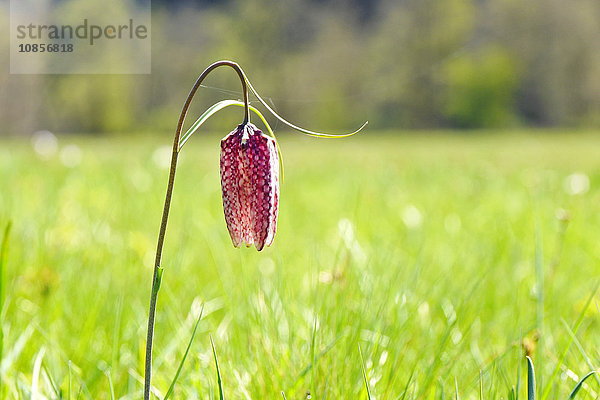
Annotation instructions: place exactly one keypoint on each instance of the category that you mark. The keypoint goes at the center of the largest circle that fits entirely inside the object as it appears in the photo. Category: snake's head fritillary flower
(250, 186)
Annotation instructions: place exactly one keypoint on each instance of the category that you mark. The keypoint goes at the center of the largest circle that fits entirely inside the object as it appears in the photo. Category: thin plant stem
(157, 274)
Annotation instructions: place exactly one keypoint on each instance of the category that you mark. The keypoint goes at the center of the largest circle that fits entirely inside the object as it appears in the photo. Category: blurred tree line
(332, 64)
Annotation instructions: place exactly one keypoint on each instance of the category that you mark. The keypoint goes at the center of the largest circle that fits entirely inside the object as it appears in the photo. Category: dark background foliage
(334, 63)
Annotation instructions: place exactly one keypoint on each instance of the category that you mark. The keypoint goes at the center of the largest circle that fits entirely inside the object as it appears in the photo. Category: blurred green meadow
(446, 257)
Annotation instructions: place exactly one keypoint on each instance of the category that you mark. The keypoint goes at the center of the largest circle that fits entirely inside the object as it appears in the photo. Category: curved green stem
(157, 274)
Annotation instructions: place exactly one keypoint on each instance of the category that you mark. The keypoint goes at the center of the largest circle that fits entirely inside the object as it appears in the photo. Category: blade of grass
(440, 390)
(436, 363)
(408, 382)
(511, 394)
(219, 380)
(110, 384)
(3, 256)
(313, 352)
(17, 348)
(364, 372)
(480, 385)
(70, 388)
(35, 374)
(585, 356)
(568, 346)
(322, 353)
(539, 274)
(187, 350)
(50, 381)
(116, 341)
(580, 385)
(456, 396)
(518, 388)
(530, 380)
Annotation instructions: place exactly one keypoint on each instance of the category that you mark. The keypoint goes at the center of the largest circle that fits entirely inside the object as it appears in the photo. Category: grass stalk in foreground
(3, 256)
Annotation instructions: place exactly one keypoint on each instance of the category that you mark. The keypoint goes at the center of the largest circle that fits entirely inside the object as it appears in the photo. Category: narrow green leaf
(322, 353)
(187, 350)
(582, 351)
(561, 360)
(511, 394)
(518, 388)
(580, 384)
(69, 383)
(364, 372)
(480, 385)
(441, 391)
(110, 384)
(313, 358)
(219, 380)
(35, 374)
(213, 110)
(159, 273)
(456, 396)
(539, 274)
(51, 381)
(3, 256)
(409, 381)
(530, 380)
(299, 129)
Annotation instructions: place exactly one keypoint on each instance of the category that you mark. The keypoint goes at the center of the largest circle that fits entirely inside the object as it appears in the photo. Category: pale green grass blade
(364, 373)
(530, 380)
(187, 350)
(110, 384)
(51, 382)
(511, 394)
(17, 349)
(322, 353)
(70, 388)
(456, 396)
(568, 346)
(580, 385)
(116, 339)
(518, 388)
(35, 374)
(539, 274)
(409, 381)
(313, 359)
(432, 370)
(579, 346)
(219, 380)
(440, 391)
(3, 257)
(480, 385)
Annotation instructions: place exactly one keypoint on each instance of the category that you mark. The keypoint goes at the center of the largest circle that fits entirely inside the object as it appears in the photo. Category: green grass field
(444, 257)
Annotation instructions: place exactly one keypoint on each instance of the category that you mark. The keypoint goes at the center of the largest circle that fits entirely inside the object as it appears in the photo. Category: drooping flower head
(250, 186)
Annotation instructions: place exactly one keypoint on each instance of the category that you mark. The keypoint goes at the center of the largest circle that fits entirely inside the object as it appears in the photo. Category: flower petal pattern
(250, 186)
